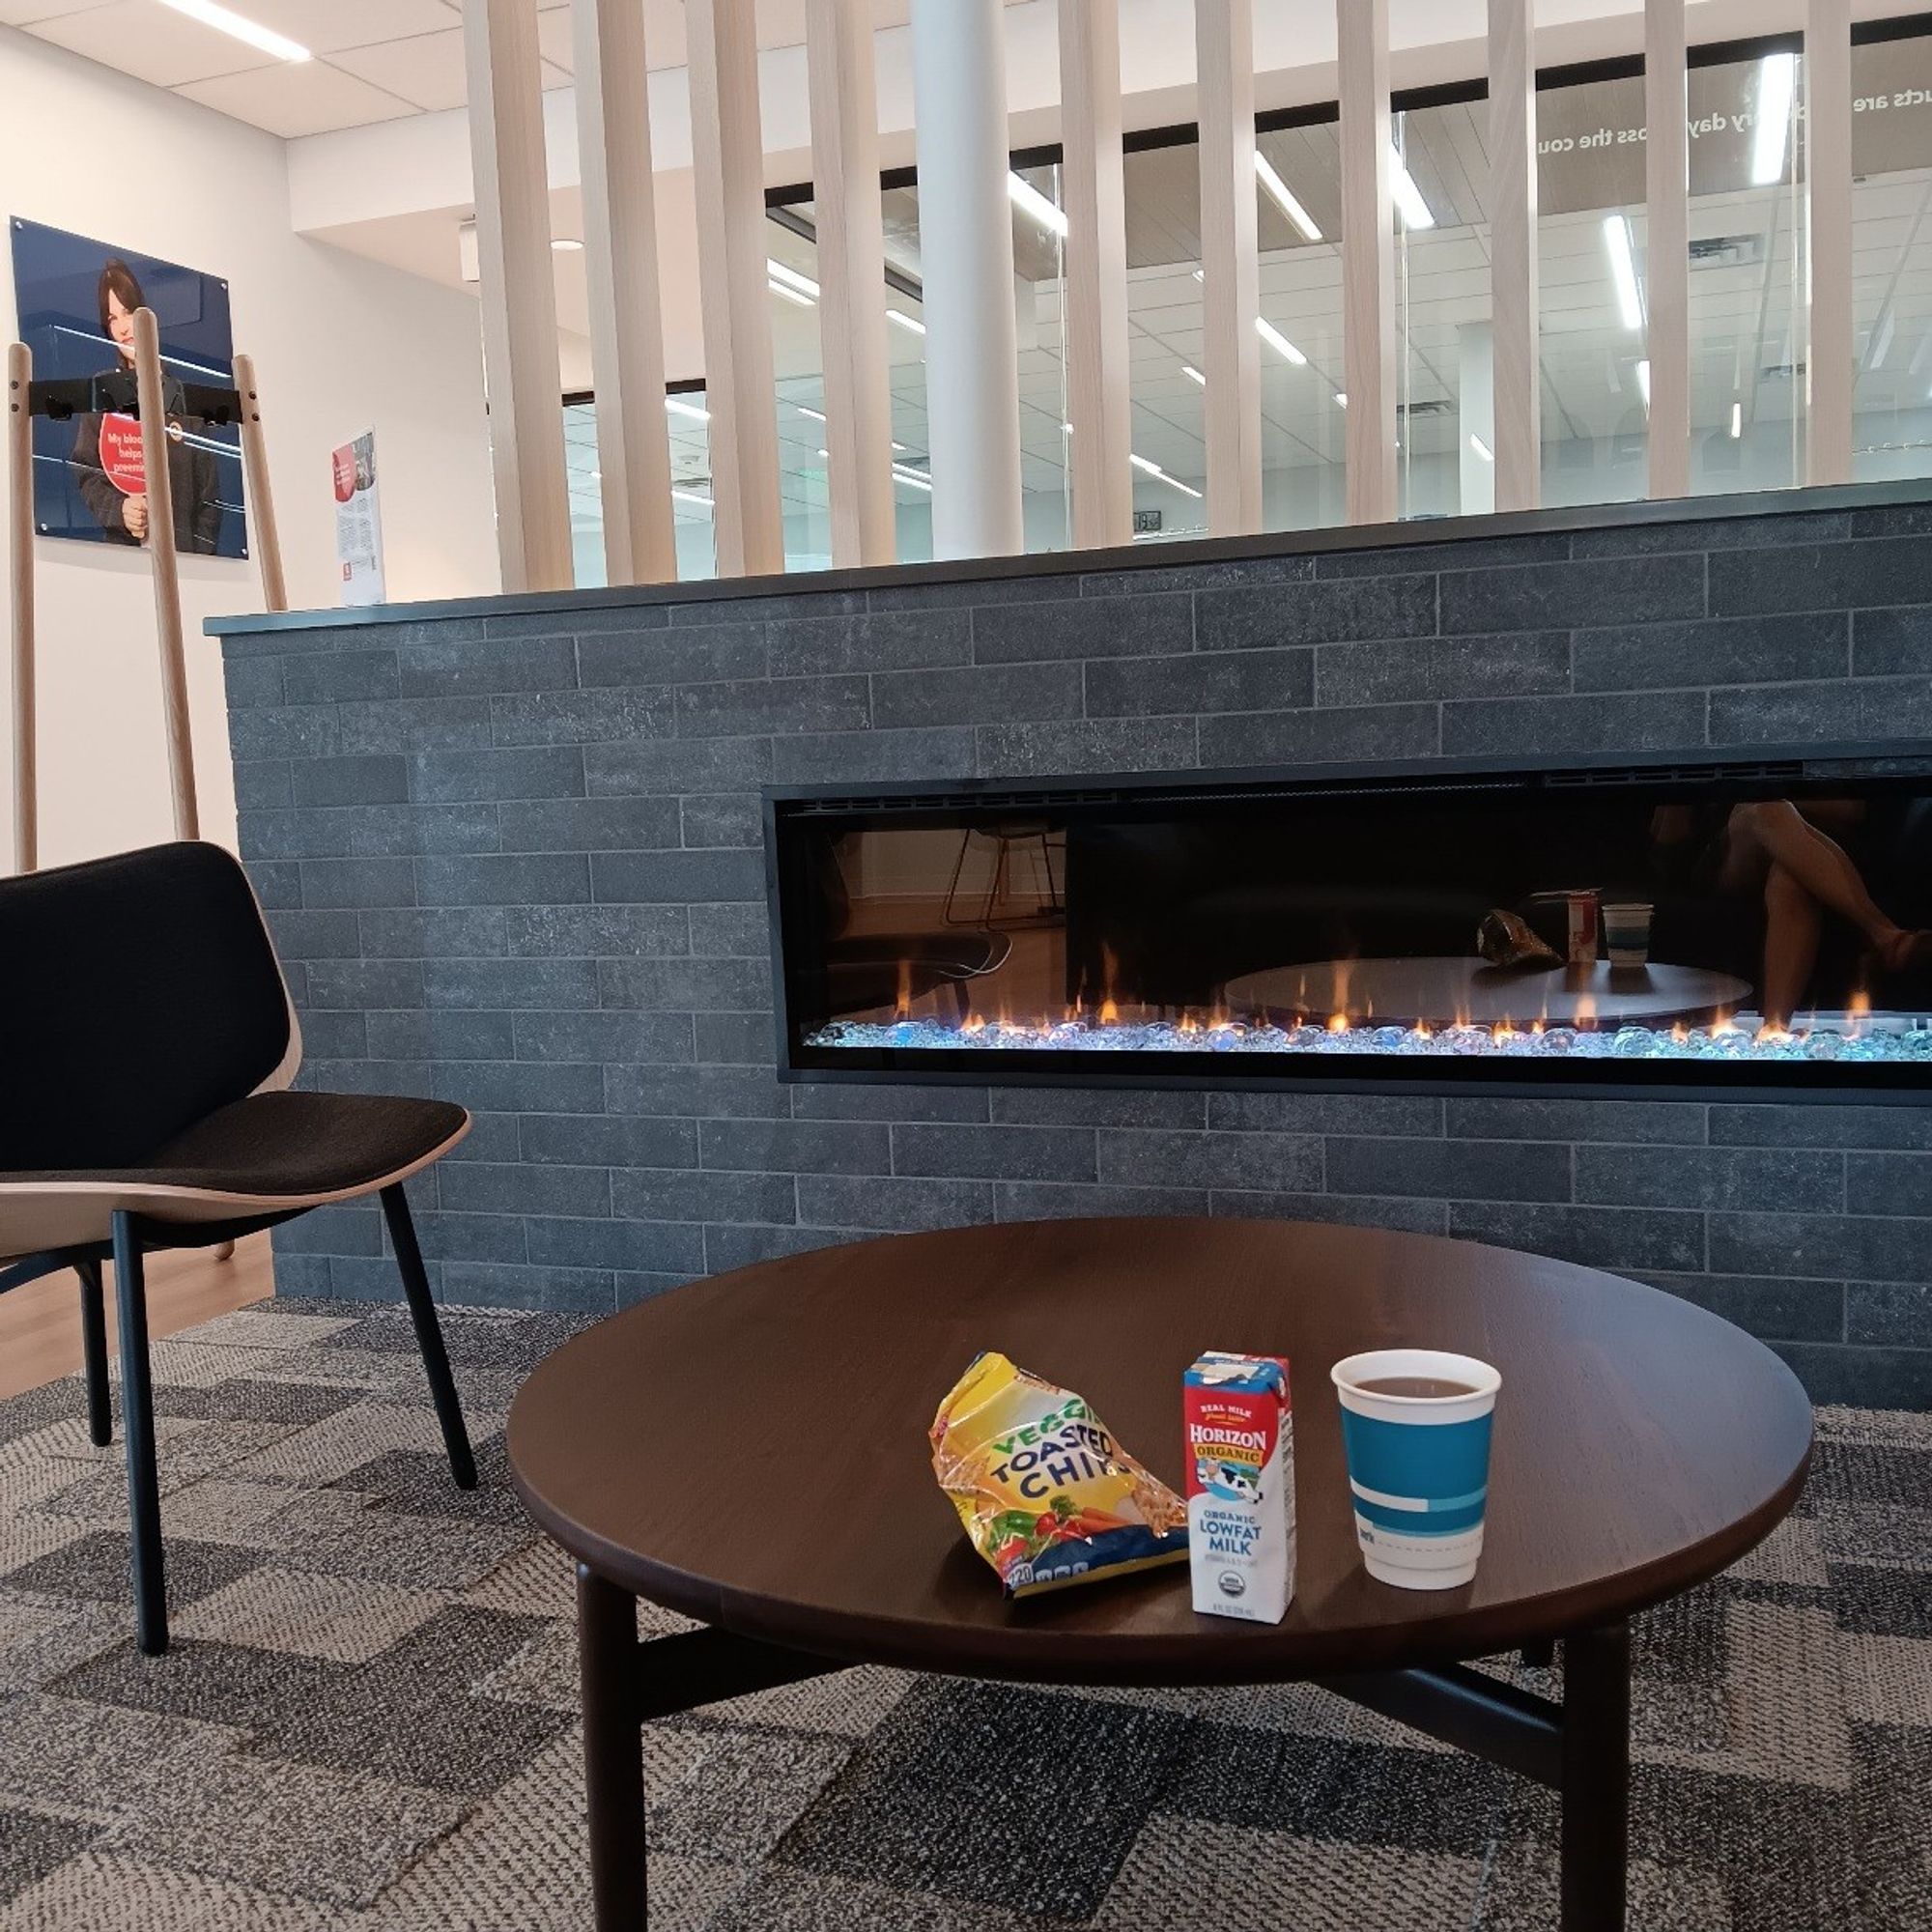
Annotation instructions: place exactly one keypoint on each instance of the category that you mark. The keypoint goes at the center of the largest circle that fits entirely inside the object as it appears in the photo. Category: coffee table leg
(613, 1755)
(1596, 1779)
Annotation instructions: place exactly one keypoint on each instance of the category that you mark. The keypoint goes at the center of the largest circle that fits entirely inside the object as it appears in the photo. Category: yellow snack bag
(1045, 1494)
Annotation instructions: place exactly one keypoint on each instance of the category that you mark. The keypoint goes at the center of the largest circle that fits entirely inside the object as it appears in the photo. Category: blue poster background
(56, 284)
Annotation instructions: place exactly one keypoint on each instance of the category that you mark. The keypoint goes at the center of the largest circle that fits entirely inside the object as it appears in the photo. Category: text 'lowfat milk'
(1240, 1486)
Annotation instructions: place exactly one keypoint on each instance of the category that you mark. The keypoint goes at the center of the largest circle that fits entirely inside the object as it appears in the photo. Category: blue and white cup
(1418, 1464)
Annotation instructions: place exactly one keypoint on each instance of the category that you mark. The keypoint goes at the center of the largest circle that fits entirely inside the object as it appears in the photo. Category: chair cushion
(291, 1146)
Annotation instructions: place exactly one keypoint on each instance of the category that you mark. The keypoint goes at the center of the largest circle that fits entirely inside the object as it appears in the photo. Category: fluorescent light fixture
(817, 415)
(1341, 399)
(1193, 374)
(692, 496)
(791, 278)
(1283, 198)
(1623, 269)
(910, 323)
(790, 294)
(1643, 381)
(1031, 203)
(900, 449)
(1154, 470)
(566, 245)
(912, 476)
(678, 407)
(1737, 421)
(1200, 274)
(1277, 341)
(1481, 447)
(224, 21)
(1415, 213)
(1771, 124)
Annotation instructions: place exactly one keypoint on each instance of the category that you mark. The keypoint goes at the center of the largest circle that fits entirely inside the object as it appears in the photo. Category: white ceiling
(374, 60)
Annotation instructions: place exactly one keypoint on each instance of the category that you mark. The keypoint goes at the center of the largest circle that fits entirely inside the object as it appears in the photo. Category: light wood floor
(40, 1324)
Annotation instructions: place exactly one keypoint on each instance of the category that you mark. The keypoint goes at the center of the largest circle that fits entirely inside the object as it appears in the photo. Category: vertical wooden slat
(1828, 190)
(1368, 259)
(727, 165)
(1224, 55)
(620, 260)
(1512, 258)
(21, 581)
(150, 393)
(520, 348)
(858, 426)
(1667, 254)
(1098, 398)
(264, 530)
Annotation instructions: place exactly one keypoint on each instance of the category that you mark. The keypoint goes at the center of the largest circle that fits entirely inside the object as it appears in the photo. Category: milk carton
(1240, 1486)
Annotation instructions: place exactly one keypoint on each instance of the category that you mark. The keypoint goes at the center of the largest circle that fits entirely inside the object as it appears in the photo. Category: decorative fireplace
(1688, 925)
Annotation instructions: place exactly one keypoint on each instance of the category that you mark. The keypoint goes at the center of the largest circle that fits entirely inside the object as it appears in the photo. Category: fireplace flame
(1337, 1022)
(973, 1023)
(1110, 1014)
(904, 1011)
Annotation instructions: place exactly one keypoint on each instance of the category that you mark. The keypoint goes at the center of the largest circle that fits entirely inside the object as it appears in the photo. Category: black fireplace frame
(1855, 1083)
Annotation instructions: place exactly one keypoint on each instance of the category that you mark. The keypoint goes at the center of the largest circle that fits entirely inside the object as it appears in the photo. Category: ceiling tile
(311, 98)
(24, 13)
(327, 26)
(425, 70)
(152, 43)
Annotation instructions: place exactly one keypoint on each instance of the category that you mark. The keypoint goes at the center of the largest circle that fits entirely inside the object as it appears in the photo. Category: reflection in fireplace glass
(1767, 917)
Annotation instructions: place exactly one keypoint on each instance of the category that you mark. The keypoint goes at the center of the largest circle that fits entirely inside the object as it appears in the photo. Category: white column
(966, 264)
(1827, 198)
(1476, 415)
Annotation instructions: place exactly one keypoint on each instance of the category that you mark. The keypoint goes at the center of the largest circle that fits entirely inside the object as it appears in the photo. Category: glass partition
(1747, 279)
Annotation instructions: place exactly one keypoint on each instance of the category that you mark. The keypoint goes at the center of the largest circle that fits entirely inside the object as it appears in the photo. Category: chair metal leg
(137, 1421)
(613, 1753)
(94, 1347)
(428, 1335)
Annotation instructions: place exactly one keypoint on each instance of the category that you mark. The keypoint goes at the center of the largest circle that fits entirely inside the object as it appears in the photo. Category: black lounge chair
(147, 1044)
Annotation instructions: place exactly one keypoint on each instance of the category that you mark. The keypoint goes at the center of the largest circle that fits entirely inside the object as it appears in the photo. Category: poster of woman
(76, 301)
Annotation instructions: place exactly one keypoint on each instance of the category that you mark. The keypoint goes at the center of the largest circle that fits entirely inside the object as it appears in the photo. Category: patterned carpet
(368, 1720)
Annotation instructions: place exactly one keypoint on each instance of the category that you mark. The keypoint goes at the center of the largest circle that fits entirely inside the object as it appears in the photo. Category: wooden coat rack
(62, 401)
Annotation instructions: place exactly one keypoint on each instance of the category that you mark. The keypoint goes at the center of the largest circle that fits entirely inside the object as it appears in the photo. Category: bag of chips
(1045, 1494)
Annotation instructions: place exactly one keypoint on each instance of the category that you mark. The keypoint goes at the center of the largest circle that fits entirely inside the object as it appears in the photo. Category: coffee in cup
(1415, 1429)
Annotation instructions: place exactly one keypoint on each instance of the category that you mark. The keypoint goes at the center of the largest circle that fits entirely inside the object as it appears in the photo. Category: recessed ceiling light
(1770, 125)
(1277, 341)
(913, 477)
(566, 245)
(1737, 421)
(224, 21)
(678, 407)
(1031, 203)
(1188, 370)
(1643, 381)
(1341, 399)
(790, 294)
(1284, 200)
(1623, 269)
(1415, 213)
(1481, 447)
(910, 323)
(1152, 468)
(817, 415)
(791, 278)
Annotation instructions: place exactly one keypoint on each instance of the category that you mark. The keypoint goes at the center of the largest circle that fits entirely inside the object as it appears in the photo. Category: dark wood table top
(752, 1450)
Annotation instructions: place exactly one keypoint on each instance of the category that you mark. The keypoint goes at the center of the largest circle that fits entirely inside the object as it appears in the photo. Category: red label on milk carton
(1240, 1486)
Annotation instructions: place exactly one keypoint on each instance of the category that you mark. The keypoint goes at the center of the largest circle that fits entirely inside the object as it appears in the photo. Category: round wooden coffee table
(752, 1451)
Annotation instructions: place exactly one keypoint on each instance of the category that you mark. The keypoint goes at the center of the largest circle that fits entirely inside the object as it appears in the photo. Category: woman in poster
(109, 480)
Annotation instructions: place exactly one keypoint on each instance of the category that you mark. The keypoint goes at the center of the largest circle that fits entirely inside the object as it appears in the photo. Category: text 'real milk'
(1240, 1486)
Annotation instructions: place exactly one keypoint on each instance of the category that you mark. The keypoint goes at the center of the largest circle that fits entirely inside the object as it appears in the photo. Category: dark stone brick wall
(514, 860)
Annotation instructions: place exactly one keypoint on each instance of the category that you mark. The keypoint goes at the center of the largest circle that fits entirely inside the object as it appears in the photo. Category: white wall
(339, 342)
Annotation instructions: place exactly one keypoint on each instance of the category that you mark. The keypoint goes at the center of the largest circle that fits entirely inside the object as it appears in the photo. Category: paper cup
(1418, 1465)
